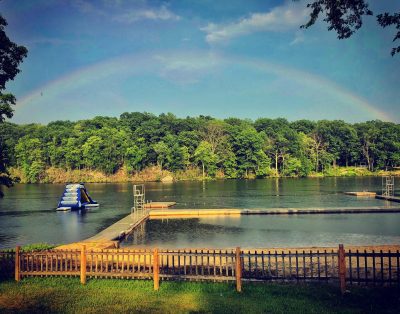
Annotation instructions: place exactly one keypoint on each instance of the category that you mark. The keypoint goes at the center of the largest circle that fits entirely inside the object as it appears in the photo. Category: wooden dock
(388, 198)
(118, 230)
(159, 204)
(109, 237)
(361, 194)
(174, 213)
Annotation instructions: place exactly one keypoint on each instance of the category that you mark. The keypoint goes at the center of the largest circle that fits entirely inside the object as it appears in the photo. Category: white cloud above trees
(282, 18)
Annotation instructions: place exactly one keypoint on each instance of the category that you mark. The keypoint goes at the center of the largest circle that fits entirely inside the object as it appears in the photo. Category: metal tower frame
(388, 186)
(139, 197)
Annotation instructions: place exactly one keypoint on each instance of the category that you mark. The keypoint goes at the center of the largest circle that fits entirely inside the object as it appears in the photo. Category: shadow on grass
(67, 295)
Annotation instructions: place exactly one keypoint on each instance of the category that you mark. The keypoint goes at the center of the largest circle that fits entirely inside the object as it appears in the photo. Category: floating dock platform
(388, 198)
(159, 204)
(173, 213)
(361, 194)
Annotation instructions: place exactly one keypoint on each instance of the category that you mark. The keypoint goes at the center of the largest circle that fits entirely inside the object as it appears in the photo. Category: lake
(27, 214)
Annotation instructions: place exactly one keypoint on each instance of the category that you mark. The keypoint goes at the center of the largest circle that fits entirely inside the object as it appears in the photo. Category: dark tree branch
(345, 17)
(386, 19)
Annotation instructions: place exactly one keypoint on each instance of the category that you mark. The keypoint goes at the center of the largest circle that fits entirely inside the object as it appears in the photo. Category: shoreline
(154, 174)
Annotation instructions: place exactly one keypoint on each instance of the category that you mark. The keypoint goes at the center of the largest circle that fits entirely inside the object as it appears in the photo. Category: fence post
(156, 270)
(17, 264)
(83, 265)
(238, 271)
(342, 268)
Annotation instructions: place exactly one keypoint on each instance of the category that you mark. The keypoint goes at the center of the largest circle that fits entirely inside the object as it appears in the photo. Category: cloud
(161, 14)
(299, 38)
(87, 7)
(283, 18)
(124, 12)
(187, 68)
(50, 41)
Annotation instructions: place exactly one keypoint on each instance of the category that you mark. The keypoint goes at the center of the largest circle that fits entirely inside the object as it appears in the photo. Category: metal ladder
(388, 186)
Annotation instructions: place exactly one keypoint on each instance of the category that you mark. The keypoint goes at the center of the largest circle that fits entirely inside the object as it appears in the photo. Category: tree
(162, 151)
(206, 157)
(134, 157)
(280, 140)
(11, 55)
(247, 145)
(345, 17)
(214, 133)
(30, 157)
(341, 140)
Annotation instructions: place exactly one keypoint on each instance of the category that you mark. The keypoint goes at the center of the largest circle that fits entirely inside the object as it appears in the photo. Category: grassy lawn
(66, 295)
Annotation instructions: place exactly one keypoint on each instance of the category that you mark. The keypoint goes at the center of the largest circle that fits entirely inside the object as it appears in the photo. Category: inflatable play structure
(74, 197)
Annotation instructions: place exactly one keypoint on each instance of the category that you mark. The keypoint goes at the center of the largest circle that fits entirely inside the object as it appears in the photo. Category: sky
(245, 59)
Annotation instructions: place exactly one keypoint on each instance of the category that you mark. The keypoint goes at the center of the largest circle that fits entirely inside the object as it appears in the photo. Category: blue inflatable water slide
(75, 196)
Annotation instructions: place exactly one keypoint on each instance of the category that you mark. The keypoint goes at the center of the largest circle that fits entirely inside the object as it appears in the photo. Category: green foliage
(346, 17)
(134, 156)
(293, 167)
(30, 157)
(204, 155)
(232, 148)
(11, 55)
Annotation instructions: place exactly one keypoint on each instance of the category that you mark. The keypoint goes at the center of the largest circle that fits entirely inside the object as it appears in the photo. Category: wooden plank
(238, 271)
(83, 265)
(342, 268)
(17, 264)
(156, 269)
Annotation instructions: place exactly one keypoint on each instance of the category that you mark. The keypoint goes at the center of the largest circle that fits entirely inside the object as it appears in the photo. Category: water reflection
(270, 231)
(27, 213)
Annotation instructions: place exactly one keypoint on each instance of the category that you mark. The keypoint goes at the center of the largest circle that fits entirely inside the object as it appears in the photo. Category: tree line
(233, 148)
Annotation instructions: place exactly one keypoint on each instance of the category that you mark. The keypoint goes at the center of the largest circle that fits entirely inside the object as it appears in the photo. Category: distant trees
(30, 158)
(230, 148)
(11, 55)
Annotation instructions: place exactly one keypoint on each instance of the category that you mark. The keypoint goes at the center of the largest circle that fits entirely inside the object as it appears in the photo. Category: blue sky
(245, 59)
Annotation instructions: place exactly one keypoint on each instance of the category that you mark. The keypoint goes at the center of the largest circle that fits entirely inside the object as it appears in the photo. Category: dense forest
(230, 148)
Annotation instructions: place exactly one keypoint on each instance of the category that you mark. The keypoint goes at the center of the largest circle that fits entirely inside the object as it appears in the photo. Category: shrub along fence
(338, 266)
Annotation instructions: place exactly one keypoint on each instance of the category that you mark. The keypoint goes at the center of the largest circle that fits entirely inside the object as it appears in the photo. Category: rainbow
(136, 64)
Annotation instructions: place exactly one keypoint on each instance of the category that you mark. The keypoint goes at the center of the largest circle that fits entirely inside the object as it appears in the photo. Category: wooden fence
(7, 264)
(338, 266)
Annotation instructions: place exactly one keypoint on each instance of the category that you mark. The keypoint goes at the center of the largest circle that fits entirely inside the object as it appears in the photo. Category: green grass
(67, 295)
(32, 247)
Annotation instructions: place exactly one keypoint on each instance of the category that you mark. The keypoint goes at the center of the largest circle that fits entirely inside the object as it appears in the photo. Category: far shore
(155, 174)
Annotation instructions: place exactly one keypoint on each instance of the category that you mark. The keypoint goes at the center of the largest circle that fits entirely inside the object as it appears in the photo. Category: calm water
(27, 214)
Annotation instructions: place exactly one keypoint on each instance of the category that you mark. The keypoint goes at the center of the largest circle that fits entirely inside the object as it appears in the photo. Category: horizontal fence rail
(346, 267)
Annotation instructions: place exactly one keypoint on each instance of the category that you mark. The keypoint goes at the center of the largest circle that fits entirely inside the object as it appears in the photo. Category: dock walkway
(388, 198)
(164, 213)
(109, 237)
(119, 229)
